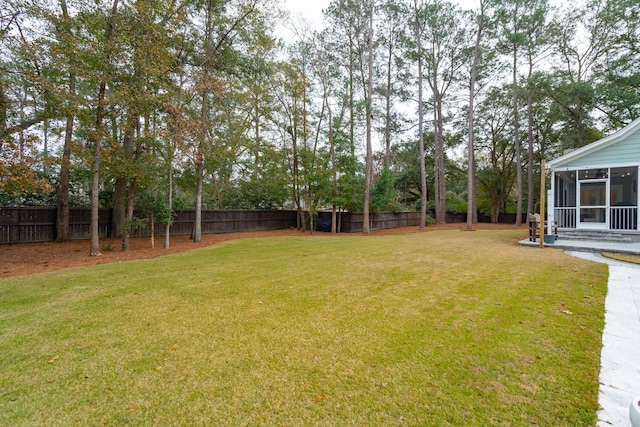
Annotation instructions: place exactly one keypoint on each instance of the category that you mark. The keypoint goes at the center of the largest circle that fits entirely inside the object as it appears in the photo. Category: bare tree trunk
(153, 230)
(167, 228)
(119, 211)
(441, 192)
(334, 179)
(471, 168)
(124, 181)
(204, 117)
(45, 140)
(387, 128)
(516, 139)
(369, 156)
(423, 168)
(95, 181)
(96, 139)
(530, 183)
(128, 222)
(293, 132)
(62, 218)
(197, 226)
(352, 126)
(256, 160)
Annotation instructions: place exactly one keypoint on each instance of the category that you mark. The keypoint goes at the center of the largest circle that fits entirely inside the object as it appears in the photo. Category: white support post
(550, 210)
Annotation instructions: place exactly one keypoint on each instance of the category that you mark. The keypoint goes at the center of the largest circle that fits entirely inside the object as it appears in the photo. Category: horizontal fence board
(352, 222)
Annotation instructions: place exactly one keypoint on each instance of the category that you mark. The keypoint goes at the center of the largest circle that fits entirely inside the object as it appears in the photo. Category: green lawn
(428, 329)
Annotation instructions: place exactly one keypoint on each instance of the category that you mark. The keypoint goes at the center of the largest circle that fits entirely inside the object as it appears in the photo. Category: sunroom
(596, 187)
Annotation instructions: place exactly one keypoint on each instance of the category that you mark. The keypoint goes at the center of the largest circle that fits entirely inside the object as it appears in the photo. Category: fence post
(543, 192)
(14, 226)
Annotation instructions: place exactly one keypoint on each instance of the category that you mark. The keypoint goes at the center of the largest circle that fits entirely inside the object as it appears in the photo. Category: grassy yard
(633, 259)
(428, 329)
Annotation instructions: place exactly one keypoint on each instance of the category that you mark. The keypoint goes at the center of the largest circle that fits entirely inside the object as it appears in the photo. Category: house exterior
(596, 187)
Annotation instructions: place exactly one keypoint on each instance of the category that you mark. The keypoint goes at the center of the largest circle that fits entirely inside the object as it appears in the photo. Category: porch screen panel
(565, 202)
(623, 198)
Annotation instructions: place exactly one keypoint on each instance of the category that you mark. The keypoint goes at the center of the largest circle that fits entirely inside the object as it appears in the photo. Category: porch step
(594, 236)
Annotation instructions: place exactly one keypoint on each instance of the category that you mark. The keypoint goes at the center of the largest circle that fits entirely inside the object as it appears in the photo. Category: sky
(308, 10)
(311, 11)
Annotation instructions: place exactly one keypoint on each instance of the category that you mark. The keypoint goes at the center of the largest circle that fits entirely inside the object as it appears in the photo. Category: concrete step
(595, 236)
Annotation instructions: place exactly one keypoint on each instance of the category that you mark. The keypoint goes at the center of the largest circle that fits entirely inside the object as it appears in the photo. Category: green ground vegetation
(444, 328)
(633, 259)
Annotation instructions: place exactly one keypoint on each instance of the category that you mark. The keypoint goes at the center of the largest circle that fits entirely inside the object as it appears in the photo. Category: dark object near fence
(323, 224)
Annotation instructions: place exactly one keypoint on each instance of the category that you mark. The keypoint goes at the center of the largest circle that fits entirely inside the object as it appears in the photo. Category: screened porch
(603, 198)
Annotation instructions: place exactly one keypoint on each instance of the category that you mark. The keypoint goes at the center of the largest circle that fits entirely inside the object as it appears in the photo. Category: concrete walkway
(620, 358)
(588, 246)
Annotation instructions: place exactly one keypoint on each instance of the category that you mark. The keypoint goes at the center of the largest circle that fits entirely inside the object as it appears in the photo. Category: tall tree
(496, 157)
(419, 28)
(615, 72)
(349, 22)
(445, 55)
(95, 137)
(535, 48)
(149, 26)
(223, 22)
(368, 169)
(63, 29)
(471, 169)
(25, 99)
(582, 36)
(517, 17)
(327, 73)
(292, 82)
(394, 70)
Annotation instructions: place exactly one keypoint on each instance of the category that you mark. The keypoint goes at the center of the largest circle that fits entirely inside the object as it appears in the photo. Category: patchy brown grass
(30, 258)
(633, 259)
(437, 328)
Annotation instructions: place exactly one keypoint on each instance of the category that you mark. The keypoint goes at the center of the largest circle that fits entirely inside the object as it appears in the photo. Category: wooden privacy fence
(224, 221)
(351, 222)
(38, 224)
